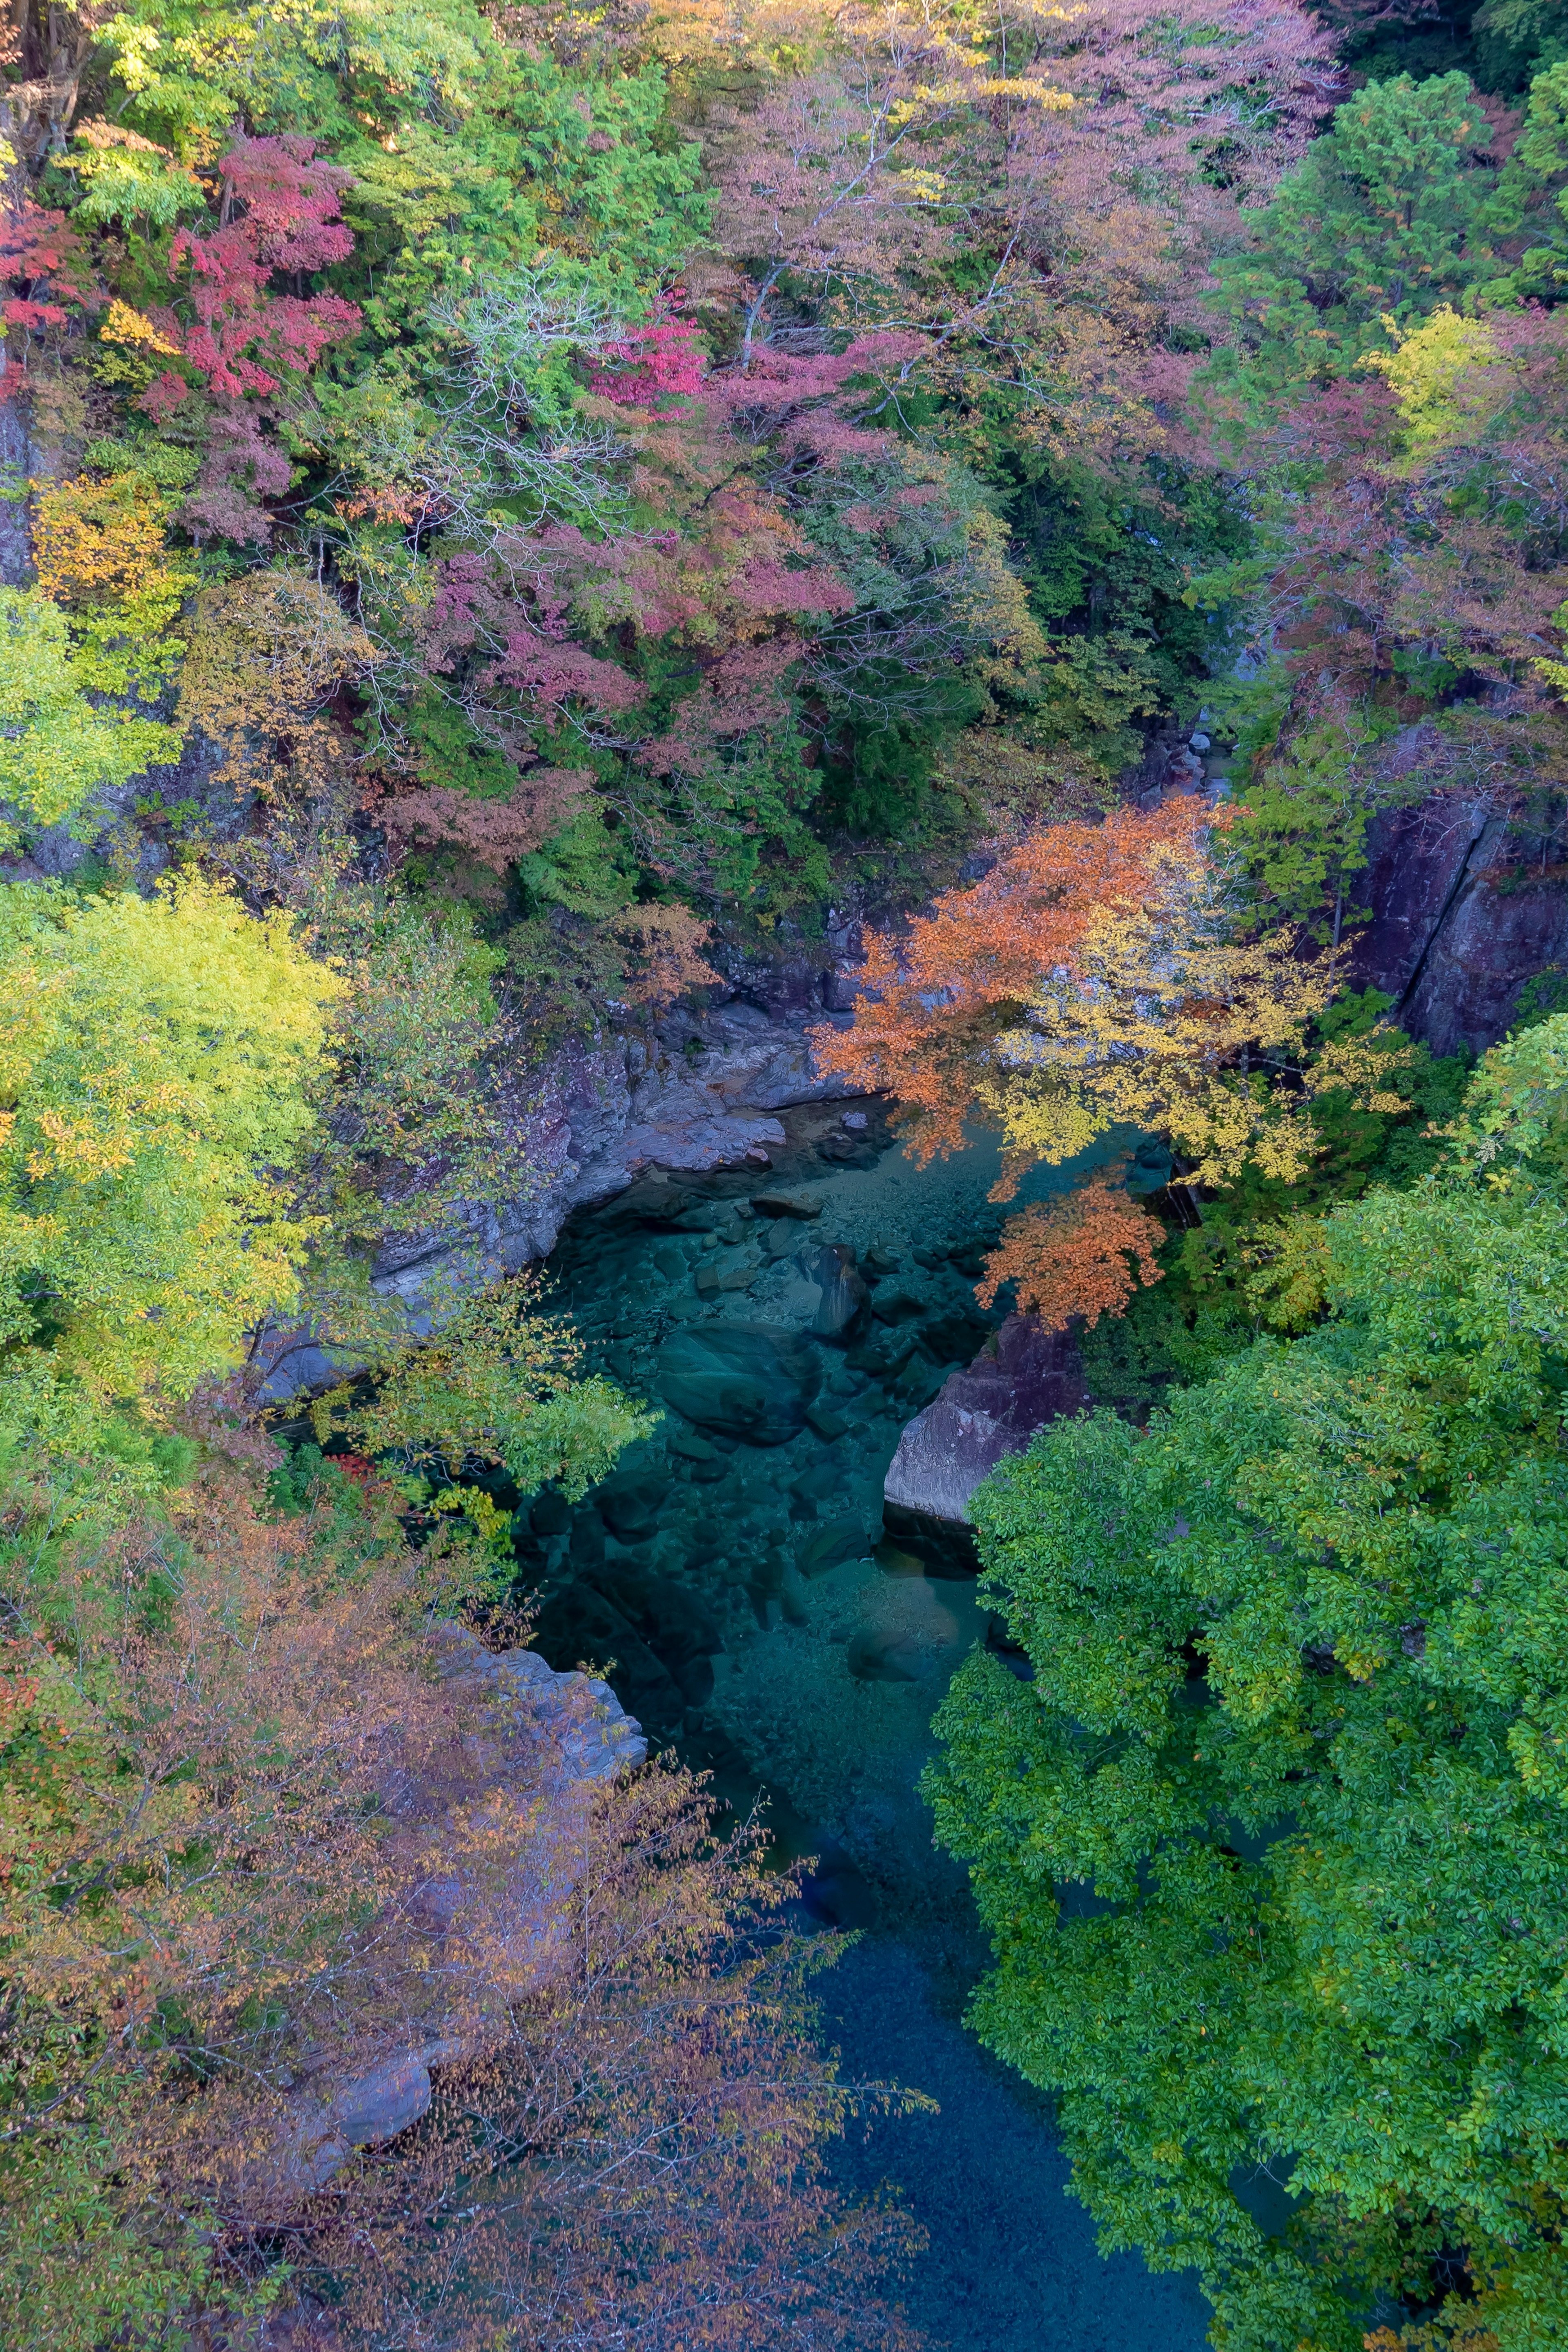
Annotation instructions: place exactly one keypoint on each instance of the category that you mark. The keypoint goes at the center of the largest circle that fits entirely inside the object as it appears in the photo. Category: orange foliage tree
(933, 1004)
(1084, 1255)
(1094, 980)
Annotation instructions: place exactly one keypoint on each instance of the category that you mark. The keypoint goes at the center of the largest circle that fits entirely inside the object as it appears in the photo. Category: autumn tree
(976, 187)
(242, 349)
(241, 1781)
(1410, 536)
(1098, 977)
(643, 2154)
(1083, 1256)
(266, 652)
(159, 1058)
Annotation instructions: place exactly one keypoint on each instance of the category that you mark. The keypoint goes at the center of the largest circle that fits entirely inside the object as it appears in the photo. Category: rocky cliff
(1464, 916)
(993, 1409)
(693, 1092)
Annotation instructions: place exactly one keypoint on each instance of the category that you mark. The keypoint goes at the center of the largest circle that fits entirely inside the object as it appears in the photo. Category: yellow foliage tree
(1161, 1021)
(96, 626)
(1446, 376)
(266, 653)
(155, 1062)
(101, 555)
(59, 749)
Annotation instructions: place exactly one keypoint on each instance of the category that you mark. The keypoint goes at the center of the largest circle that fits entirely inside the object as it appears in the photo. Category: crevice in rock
(1443, 912)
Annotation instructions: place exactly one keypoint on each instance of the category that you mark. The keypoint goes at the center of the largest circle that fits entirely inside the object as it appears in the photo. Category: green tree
(1298, 1721)
(1540, 160)
(60, 750)
(1389, 214)
(1301, 829)
(156, 1065)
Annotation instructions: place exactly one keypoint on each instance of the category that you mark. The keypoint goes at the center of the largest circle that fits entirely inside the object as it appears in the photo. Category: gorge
(783, 1176)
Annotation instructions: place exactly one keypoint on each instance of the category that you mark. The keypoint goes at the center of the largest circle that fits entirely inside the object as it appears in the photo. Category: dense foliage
(512, 515)
(1293, 1717)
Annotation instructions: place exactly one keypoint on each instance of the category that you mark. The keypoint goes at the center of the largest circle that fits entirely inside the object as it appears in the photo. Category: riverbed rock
(991, 1410)
(844, 1292)
(690, 1447)
(877, 1657)
(830, 1547)
(550, 1514)
(629, 1505)
(737, 1270)
(747, 1381)
(894, 1303)
(786, 1205)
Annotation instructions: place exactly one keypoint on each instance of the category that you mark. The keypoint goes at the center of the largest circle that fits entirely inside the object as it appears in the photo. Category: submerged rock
(844, 1292)
(991, 1410)
(786, 1205)
(747, 1381)
(830, 1547)
(897, 1305)
(628, 1504)
(876, 1656)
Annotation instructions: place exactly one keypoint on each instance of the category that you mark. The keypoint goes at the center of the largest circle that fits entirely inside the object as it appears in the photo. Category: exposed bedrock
(541, 1741)
(1459, 924)
(693, 1093)
(989, 1411)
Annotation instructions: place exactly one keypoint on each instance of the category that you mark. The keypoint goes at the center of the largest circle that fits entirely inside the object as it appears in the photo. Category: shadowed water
(734, 1571)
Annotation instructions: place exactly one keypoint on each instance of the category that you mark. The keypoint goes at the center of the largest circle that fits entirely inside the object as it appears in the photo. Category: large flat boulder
(748, 1381)
(992, 1410)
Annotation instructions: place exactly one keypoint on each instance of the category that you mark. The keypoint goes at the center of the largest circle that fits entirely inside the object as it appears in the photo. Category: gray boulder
(991, 1410)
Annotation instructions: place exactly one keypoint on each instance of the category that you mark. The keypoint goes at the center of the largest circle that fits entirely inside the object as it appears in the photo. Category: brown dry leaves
(265, 1841)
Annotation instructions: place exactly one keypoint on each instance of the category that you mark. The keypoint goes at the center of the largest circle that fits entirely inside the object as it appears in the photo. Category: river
(734, 1569)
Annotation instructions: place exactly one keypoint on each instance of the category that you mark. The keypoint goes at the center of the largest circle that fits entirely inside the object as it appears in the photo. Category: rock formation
(695, 1093)
(488, 1851)
(1462, 919)
(981, 1415)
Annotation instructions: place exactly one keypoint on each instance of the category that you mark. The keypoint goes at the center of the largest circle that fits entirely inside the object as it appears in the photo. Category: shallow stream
(789, 1320)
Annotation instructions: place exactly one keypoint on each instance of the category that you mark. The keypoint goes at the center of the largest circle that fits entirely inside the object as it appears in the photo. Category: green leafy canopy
(1298, 1721)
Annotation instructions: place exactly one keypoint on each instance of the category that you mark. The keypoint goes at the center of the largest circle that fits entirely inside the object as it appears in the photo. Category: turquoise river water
(734, 1569)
